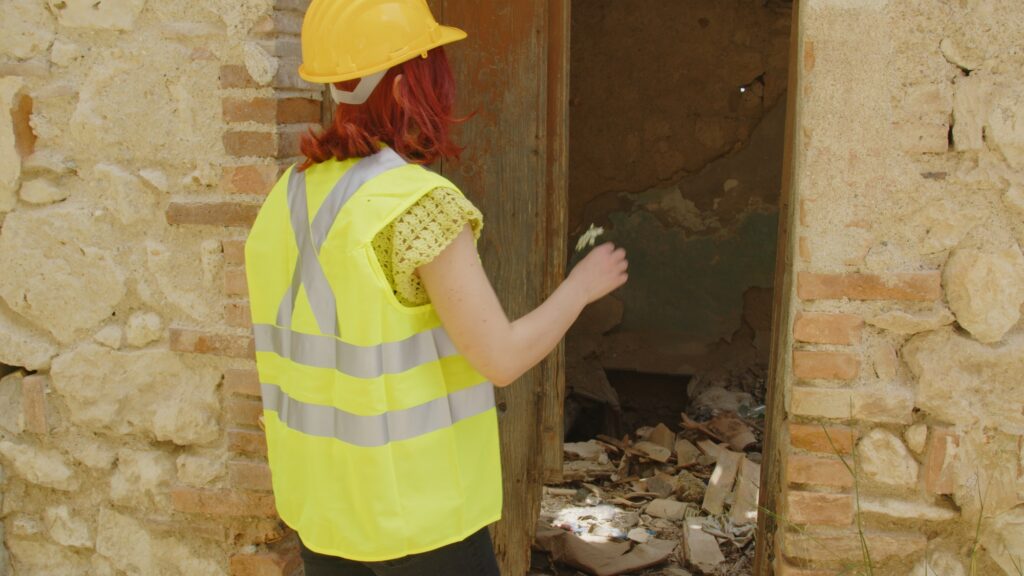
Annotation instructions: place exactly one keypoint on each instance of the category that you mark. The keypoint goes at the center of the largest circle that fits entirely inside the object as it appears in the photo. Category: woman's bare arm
(471, 313)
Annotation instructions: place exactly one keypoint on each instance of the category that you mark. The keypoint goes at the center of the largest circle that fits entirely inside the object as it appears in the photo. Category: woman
(379, 338)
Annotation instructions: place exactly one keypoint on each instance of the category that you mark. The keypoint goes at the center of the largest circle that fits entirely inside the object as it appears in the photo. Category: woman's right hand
(600, 272)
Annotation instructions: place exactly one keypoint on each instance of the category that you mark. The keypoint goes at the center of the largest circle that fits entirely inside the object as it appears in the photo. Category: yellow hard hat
(347, 39)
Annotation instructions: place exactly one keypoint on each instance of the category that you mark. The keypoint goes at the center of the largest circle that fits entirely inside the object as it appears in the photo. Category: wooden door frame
(513, 72)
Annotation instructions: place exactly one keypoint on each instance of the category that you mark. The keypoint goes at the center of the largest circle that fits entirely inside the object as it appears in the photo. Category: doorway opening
(676, 145)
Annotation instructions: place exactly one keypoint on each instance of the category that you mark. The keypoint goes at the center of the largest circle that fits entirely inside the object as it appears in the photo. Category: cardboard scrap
(722, 480)
(735, 431)
(667, 509)
(662, 436)
(601, 558)
(686, 452)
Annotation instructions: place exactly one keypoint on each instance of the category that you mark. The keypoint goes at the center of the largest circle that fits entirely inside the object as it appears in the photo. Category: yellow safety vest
(382, 439)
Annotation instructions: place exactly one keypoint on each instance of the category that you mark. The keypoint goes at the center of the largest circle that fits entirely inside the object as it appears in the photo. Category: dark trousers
(473, 556)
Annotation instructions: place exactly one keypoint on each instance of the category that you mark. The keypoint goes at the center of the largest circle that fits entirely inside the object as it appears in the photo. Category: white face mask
(362, 92)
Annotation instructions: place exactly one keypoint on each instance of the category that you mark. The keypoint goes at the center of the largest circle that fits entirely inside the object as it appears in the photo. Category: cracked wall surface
(677, 121)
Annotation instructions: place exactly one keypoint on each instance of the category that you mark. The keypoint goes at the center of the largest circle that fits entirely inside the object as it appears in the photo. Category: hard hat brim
(448, 35)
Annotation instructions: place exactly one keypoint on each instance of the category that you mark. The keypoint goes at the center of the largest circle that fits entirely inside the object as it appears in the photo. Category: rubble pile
(657, 502)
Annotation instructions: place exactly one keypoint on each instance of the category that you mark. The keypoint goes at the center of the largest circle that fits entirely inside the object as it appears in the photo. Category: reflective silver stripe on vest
(308, 272)
(358, 361)
(378, 430)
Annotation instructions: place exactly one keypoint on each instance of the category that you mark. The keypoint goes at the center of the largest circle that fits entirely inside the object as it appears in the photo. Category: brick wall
(907, 285)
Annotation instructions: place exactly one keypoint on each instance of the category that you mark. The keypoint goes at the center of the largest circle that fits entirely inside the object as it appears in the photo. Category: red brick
(845, 546)
(24, 137)
(243, 143)
(234, 76)
(255, 180)
(815, 364)
(33, 404)
(242, 382)
(835, 403)
(804, 248)
(914, 286)
(802, 469)
(783, 568)
(243, 411)
(820, 328)
(222, 502)
(249, 475)
(198, 342)
(263, 110)
(288, 140)
(281, 558)
(298, 111)
(234, 251)
(238, 315)
(819, 509)
(815, 438)
(241, 441)
(235, 283)
(939, 464)
(231, 214)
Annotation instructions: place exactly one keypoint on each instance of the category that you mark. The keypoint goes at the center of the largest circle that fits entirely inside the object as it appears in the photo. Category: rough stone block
(91, 380)
(141, 478)
(815, 364)
(42, 191)
(923, 136)
(961, 380)
(222, 502)
(26, 30)
(819, 328)
(41, 466)
(198, 471)
(197, 342)
(819, 508)
(134, 548)
(885, 459)
(59, 272)
(835, 403)
(817, 471)
(21, 344)
(913, 286)
(249, 475)
(985, 290)
(826, 440)
(143, 328)
(67, 530)
(231, 214)
(106, 15)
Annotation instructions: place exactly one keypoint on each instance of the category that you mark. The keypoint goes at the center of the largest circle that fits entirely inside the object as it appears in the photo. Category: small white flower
(589, 237)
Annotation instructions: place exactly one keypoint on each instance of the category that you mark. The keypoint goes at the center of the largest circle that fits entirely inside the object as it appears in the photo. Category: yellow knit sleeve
(418, 235)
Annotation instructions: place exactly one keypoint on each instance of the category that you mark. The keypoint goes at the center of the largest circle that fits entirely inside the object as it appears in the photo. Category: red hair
(415, 120)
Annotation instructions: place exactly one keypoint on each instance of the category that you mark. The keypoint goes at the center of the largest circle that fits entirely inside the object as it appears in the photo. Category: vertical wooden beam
(782, 304)
(554, 249)
(501, 76)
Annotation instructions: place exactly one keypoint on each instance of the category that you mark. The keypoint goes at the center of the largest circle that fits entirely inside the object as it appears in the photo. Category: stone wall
(136, 142)
(909, 281)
